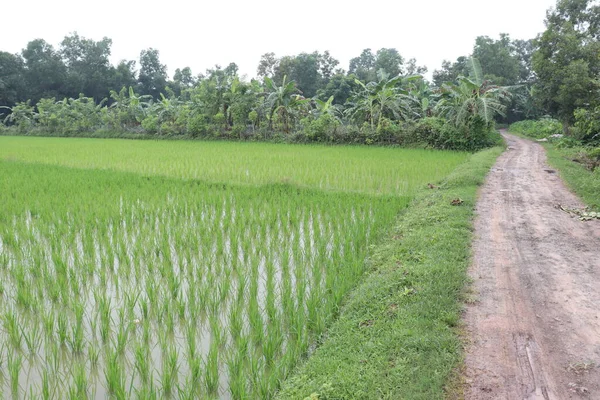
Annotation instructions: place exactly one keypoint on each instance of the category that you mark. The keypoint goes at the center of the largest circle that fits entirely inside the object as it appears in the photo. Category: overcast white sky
(200, 34)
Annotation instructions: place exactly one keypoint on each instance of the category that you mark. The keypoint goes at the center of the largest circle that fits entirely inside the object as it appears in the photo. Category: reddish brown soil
(534, 328)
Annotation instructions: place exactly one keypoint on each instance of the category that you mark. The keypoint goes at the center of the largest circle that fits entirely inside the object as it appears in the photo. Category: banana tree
(327, 108)
(472, 97)
(22, 115)
(130, 108)
(385, 98)
(285, 102)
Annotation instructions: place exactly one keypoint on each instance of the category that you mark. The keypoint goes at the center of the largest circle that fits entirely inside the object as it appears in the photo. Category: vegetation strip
(585, 183)
(396, 336)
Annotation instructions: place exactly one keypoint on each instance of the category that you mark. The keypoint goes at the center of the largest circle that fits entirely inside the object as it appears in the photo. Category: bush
(440, 134)
(197, 125)
(539, 129)
(587, 125)
(566, 142)
(150, 124)
(321, 129)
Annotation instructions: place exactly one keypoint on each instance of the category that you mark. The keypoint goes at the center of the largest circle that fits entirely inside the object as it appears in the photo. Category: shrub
(539, 129)
(197, 125)
(150, 124)
(321, 129)
(438, 133)
(587, 125)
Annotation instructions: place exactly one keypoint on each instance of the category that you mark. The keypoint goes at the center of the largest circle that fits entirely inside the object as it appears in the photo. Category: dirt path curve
(535, 329)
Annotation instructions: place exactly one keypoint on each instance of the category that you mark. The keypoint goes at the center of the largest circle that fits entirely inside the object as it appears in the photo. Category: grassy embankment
(397, 335)
(585, 183)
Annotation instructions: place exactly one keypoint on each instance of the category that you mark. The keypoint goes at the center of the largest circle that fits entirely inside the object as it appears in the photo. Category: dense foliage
(382, 98)
(541, 128)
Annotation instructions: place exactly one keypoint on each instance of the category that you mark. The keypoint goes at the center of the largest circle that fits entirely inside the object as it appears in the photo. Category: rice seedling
(14, 363)
(168, 378)
(211, 369)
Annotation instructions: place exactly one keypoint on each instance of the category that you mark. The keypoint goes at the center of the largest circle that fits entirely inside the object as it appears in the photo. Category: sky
(200, 34)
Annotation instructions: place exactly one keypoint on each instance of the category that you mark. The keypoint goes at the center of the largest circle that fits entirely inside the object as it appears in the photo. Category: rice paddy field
(158, 269)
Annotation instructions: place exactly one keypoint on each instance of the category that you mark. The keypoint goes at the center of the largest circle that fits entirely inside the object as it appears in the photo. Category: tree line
(555, 74)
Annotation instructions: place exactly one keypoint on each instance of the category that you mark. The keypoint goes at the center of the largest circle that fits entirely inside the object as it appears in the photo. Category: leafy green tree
(152, 78)
(450, 71)
(497, 59)
(340, 86)
(310, 71)
(390, 61)
(367, 65)
(184, 77)
(363, 66)
(305, 72)
(88, 66)
(45, 72)
(267, 65)
(327, 66)
(123, 75)
(413, 69)
(566, 61)
(13, 87)
(523, 50)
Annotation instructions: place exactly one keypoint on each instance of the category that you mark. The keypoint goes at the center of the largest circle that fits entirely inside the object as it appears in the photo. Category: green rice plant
(62, 328)
(76, 340)
(14, 363)
(211, 369)
(114, 374)
(45, 392)
(170, 368)
(237, 378)
(142, 358)
(11, 325)
(121, 338)
(33, 338)
(195, 374)
(80, 381)
(147, 392)
(93, 355)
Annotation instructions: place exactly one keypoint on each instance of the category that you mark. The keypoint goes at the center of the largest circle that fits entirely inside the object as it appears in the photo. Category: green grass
(376, 170)
(158, 286)
(396, 337)
(582, 181)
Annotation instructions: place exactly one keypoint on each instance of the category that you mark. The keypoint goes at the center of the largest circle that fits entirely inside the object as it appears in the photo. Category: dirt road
(535, 327)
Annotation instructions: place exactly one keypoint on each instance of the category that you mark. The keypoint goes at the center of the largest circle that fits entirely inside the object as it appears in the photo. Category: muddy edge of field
(534, 329)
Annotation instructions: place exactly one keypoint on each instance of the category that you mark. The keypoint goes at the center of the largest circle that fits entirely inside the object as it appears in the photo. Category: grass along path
(397, 334)
(585, 183)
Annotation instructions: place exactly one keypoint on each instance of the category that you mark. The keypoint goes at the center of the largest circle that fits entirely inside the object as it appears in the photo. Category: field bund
(184, 269)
